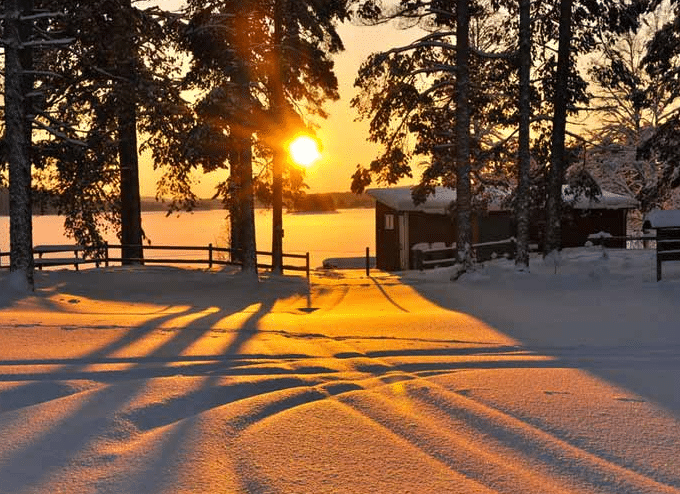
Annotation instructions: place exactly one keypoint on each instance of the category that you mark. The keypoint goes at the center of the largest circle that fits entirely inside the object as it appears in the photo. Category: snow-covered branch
(494, 56)
(41, 15)
(60, 135)
(441, 67)
(47, 42)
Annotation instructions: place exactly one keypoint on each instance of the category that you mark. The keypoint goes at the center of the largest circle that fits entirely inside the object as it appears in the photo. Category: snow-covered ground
(165, 380)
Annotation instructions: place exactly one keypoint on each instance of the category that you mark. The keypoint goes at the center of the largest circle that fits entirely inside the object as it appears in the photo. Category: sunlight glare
(304, 150)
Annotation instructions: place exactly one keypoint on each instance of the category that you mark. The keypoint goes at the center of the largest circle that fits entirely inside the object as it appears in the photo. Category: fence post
(368, 262)
(106, 254)
(210, 256)
(307, 263)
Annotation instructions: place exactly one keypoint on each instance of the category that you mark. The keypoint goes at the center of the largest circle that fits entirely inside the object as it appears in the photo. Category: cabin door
(404, 253)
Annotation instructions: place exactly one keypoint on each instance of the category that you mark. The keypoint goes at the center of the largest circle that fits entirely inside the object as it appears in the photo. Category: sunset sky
(344, 140)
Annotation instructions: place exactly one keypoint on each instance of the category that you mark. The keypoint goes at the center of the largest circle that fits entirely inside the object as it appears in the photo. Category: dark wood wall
(386, 240)
(488, 227)
(577, 224)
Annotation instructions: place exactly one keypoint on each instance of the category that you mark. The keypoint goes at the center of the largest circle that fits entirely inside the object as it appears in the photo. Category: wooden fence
(438, 254)
(214, 256)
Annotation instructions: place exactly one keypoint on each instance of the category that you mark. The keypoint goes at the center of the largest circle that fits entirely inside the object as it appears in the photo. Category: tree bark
(524, 152)
(130, 210)
(463, 194)
(235, 215)
(247, 207)
(130, 213)
(279, 154)
(18, 132)
(553, 239)
(242, 170)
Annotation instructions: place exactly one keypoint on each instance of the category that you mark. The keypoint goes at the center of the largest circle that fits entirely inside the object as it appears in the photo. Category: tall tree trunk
(553, 239)
(235, 215)
(244, 227)
(277, 211)
(524, 152)
(131, 214)
(18, 131)
(279, 154)
(463, 194)
(247, 207)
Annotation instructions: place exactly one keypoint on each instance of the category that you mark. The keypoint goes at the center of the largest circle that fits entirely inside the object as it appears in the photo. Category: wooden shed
(400, 224)
(667, 226)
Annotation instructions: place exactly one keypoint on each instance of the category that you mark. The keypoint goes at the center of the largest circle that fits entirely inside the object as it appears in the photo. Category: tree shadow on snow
(106, 380)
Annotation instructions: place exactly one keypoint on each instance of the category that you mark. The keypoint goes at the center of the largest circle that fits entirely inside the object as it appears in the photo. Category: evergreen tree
(17, 33)
(124, 68)
(662, 62)
(553, 235)
(570, 24)
(522, 211)
(261, 69)
(462, 159)
(117, 78)
(443, 100)
(632, 106)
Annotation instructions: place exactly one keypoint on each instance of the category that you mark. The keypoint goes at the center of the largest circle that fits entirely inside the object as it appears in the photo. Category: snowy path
(109, 383)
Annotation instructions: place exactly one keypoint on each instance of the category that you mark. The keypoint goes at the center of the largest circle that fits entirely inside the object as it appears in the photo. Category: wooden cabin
(400, 225)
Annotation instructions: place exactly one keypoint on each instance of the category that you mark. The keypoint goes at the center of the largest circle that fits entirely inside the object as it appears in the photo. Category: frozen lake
(345, 233)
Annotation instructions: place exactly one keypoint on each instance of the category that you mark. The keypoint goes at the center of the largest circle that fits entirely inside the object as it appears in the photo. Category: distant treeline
(330, 201)
(42, 202)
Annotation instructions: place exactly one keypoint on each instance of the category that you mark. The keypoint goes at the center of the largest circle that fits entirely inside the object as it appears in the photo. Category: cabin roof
(662, 219)
(399, 199)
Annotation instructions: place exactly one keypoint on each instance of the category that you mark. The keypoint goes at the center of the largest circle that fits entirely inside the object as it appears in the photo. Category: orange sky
(344, 140)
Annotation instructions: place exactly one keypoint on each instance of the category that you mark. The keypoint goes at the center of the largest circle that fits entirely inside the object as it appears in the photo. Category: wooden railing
(214, 256)
(439, 254)
(2, 263)
(631, 242)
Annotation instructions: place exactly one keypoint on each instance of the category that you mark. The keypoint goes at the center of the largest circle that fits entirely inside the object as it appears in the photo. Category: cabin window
(389, 222)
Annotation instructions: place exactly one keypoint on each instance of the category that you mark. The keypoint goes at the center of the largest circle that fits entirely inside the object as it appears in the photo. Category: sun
(304, 150)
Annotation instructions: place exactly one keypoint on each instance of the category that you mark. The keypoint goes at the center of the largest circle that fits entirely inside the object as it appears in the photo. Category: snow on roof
(399, 199)
(607, 200)
(662, 219)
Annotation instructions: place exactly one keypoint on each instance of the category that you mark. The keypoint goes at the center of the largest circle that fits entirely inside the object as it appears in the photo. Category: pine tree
(553, 236)
(284, 49)
(462, 159)
(632, 107)
(18, 56)
(118, 80)
(442, 99)
(522, 211)
(662, 62)
(125, 70)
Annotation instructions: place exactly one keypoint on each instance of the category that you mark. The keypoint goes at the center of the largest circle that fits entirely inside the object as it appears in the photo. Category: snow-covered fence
(667, 226)
(642, 241)
(214, 256)
(432, 255)
(436, 254)
(76, 260)
(176, 254)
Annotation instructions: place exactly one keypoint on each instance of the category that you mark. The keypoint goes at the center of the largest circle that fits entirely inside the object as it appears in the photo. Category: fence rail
(643, 241)
(103, 256)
